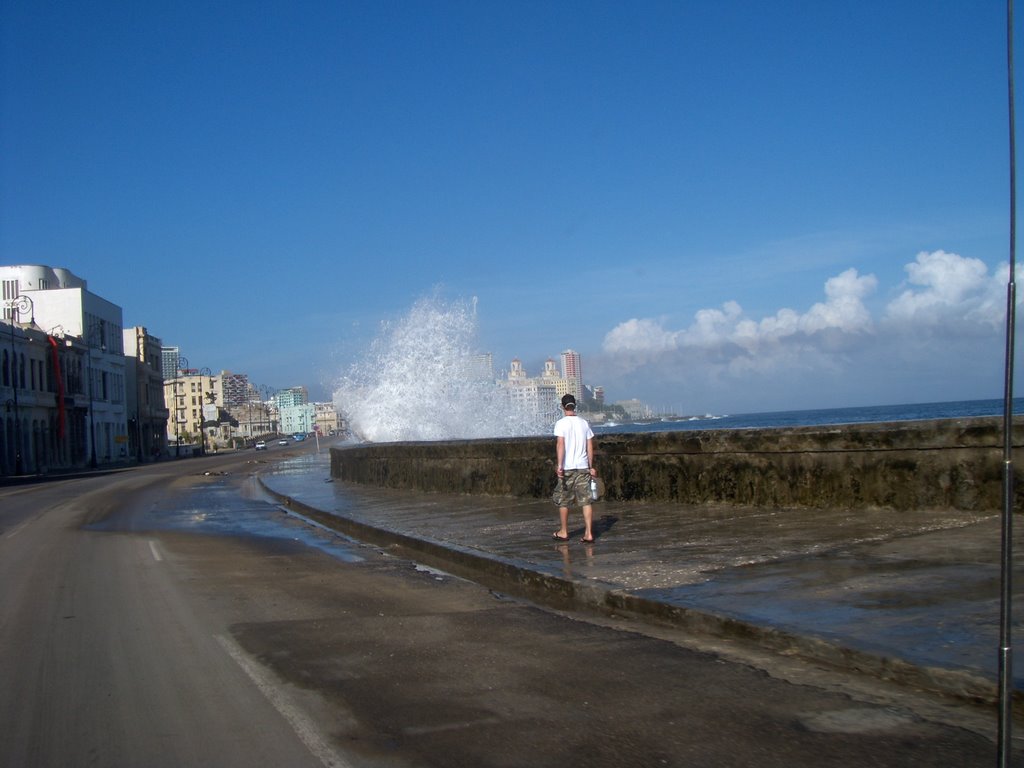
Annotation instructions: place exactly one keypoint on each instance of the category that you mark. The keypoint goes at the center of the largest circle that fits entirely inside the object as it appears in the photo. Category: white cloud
(639, 335)
(950, 292)
(947, 312)
(843, 310)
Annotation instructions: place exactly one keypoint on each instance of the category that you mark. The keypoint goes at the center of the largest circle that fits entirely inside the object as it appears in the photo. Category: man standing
(574, 447)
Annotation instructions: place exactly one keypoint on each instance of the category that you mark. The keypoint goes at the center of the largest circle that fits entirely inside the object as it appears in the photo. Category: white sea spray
(419, 381)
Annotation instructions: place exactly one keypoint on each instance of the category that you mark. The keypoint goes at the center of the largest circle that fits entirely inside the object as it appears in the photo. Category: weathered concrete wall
(949, 463)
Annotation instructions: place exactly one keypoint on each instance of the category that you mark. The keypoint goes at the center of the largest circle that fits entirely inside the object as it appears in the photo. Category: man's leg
(563, 516)
(588, 522)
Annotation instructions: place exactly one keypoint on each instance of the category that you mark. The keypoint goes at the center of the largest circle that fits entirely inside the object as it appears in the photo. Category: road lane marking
(16, 530)
(156, 553)
(302, 726)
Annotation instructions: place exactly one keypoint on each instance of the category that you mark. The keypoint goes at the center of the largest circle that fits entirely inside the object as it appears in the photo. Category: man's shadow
(600, 526)
(603, 525)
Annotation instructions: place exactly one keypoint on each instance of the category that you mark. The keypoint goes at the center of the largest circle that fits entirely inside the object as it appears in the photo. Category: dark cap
(568, 401)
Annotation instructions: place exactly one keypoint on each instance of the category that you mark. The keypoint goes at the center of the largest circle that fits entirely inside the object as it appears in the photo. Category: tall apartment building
(169, 361)
(572, 371)
(291, 396)
(235, 387)
(87, 421)
(481, 367)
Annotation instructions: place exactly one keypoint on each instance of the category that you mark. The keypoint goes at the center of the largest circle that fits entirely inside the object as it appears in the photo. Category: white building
(535, 398)
(62, 306)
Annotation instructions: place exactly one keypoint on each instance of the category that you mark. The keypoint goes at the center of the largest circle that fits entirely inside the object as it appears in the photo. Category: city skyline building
(235, 388)
(285, 398)
(572, 372)
(169, 357)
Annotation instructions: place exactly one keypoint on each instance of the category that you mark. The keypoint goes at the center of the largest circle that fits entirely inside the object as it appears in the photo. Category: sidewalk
(912, 597)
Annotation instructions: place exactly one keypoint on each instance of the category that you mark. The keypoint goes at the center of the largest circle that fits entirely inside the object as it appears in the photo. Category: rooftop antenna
(1005, 735)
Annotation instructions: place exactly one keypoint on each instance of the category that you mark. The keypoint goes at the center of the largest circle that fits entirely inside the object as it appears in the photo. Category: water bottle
(593, 488)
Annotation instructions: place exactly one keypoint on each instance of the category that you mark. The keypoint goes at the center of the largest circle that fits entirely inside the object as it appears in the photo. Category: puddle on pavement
(222, 508)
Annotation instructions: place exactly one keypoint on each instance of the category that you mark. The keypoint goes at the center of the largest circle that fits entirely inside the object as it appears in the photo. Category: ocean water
(827, 416)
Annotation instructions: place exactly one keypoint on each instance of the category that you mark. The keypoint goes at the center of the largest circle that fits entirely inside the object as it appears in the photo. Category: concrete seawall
(941, 464)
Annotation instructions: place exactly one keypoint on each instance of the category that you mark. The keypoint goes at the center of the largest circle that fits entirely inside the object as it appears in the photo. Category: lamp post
(18, 305)
(252, 391)
(92, 420)
(93, 330)
(182, 364)
(202, 416)
(266, 391)
(8, 405)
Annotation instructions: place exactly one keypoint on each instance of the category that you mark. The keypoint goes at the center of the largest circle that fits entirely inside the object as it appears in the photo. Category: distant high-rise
(481, 367)
(169, 361)
(572, 371)
(286, 398)
(236, 389)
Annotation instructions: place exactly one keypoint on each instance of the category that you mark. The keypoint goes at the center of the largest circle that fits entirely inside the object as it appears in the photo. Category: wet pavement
(910, 596)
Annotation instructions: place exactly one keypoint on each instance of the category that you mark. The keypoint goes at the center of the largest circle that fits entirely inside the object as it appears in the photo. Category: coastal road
(170, 615)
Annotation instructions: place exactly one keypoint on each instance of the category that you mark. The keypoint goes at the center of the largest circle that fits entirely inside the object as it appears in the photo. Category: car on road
(282, 442)
(261, 445)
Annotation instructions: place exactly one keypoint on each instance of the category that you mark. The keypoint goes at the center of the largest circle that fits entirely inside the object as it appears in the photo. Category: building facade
(191, 396)
(327, 419)
(43, 425)
(147, 410)
(78, 324)
(297, 419)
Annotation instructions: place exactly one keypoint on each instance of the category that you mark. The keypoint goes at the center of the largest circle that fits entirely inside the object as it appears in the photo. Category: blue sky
(723, 207)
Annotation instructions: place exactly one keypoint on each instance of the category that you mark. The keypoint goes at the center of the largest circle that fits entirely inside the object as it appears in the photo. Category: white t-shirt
(576, 432)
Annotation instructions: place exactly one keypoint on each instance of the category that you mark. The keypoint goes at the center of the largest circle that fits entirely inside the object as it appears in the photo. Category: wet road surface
(167, 616)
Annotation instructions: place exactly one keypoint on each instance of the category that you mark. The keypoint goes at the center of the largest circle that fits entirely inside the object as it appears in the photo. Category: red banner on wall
(60, 386)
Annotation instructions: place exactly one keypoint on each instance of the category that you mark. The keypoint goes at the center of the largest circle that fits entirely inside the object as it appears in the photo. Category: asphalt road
(171, 616)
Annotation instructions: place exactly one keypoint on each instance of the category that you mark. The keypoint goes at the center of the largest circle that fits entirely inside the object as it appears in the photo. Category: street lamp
(182, 365)
(92, 332)
(266, 391)
(18, 305)
(202, 405)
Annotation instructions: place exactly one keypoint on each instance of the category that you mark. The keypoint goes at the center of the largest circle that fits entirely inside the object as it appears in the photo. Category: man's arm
(590, 455)
(560, 453)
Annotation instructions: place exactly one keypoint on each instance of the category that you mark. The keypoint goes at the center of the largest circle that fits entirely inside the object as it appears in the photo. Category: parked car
(261, 445)
(282, 442)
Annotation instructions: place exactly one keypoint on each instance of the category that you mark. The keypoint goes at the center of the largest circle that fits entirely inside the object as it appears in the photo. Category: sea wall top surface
(944, 463)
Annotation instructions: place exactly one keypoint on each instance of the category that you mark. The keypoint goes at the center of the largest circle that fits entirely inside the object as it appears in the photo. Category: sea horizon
(953, 409)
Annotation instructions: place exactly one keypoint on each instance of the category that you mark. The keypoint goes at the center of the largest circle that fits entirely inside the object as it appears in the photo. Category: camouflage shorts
(573, 489)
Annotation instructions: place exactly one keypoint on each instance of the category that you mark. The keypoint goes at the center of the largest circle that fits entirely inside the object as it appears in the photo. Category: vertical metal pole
(92, 418)
(1005, 735)
(18, 469)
